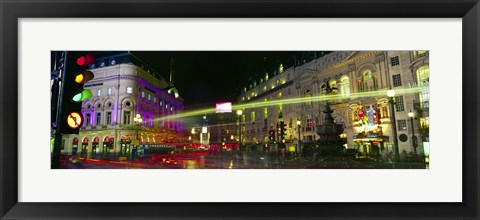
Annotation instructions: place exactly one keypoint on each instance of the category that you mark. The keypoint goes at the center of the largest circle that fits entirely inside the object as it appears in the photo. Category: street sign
(74, 120)
(291, 148)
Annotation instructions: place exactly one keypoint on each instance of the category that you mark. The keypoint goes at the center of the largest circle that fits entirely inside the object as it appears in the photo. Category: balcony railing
(417, 55)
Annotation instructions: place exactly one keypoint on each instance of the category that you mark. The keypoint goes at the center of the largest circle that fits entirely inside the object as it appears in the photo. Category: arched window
(367, 82)
(323, 89)
(333, 86)
(345, 86)
(308, 94)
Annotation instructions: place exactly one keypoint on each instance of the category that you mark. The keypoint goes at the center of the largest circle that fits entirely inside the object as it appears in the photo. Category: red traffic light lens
(85, 60)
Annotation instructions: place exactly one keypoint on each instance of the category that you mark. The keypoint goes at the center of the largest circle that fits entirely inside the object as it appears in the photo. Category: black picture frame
(11, 11)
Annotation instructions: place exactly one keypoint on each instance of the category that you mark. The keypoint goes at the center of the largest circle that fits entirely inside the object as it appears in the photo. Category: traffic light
(224, 135)
(283, 130)
(272, 135)
(73, 94)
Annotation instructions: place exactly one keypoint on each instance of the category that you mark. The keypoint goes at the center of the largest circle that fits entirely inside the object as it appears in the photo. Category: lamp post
(298, 147)
(391, 95)
(414, 142)
(239, 113)
(138, 120)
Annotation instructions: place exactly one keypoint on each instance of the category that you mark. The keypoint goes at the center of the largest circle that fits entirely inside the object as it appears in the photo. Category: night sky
(203, 78)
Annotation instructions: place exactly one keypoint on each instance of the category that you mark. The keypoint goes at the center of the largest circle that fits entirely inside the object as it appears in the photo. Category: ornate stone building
(359, 81)
(124, 87)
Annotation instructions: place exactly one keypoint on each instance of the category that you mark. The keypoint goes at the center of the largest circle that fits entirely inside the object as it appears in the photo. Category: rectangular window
(98, 119)
(397, 80)
(402, 124)
(87, 119)
(109, 91)
(309, 123)
(395, 61)
(109, 118)
(400, 107)
(126, 117)
(129, 90)
(99, 92)
(149, 97)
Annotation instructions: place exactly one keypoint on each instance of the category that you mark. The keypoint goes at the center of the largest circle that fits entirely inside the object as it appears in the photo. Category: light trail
(319, 98)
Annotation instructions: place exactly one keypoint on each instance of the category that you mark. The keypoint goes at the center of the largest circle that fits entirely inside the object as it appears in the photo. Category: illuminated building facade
(124, 87)
(359, 81)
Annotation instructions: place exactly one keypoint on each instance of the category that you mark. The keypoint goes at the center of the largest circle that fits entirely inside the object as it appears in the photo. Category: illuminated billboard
(223, 107)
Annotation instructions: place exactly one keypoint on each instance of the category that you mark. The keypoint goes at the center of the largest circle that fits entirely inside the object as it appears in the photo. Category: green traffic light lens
(84, 95)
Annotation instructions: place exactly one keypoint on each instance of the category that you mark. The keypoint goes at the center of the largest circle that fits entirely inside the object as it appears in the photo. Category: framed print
(250, 110)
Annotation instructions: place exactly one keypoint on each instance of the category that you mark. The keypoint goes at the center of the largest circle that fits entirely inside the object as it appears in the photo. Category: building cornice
(349, 60)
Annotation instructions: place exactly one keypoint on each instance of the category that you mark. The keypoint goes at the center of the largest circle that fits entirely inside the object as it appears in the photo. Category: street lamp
(138, 120)
(298, 147)
(414, 139)
(391, 95)
(239, 113)
(298, 123)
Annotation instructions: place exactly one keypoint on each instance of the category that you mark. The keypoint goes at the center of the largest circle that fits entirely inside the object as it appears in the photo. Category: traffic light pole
(69, 118)
(57, 144)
